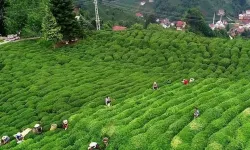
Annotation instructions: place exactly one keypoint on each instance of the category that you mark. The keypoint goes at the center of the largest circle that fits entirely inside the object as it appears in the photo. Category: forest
(27, 16)
(176, 8)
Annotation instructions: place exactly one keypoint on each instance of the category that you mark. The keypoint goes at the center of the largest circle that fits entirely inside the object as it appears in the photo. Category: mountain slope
(39, 83)
(174, 9)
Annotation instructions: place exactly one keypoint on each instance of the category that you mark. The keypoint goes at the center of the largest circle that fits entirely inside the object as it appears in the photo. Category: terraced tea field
(41, 84)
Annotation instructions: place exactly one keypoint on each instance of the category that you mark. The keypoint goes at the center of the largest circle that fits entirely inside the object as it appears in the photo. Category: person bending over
(196, 113)
(155, 86)
(5, 140)
(65, 124)
(93, 146)
(108, 101)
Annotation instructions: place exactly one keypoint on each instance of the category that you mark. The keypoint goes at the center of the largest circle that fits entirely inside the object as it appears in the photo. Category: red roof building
(180, 25)
(119, 28)
(139, 15)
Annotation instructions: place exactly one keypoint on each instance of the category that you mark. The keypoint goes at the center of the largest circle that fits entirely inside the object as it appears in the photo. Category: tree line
(54, 18)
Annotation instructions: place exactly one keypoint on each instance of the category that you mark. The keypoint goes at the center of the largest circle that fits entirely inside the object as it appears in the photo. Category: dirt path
(5, 42)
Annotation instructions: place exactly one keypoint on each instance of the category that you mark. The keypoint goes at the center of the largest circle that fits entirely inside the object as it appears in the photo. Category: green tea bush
(225, 62)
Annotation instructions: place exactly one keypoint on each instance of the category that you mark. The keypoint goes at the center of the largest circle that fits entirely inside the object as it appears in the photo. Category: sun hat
(37, 125)
(65, 121)
(92, 144)
(191, 80)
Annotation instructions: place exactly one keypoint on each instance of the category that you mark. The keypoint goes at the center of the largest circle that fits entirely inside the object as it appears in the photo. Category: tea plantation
(42, 84)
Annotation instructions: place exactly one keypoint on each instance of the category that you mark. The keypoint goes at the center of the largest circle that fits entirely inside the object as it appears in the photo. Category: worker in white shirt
(93, 146)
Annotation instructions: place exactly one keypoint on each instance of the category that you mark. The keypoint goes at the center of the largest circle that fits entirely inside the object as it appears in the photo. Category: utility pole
(213, 18)
(97, 18)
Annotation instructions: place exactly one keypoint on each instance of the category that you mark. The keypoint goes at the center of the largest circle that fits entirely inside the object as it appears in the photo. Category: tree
(25, 16)
(137, 26)
(50, 28)
(2, 15)
(196, 22)
(246, 34)
(107, 25)
(150, 19)
(62, 10)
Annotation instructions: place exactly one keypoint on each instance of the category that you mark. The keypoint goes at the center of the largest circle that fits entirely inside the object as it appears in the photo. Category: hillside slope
(175, 9)
(48, 85)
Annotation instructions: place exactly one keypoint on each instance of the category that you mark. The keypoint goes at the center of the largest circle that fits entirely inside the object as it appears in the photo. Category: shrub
(137, 26)
(225, 62)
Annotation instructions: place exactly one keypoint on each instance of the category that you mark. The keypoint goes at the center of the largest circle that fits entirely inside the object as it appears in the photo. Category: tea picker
(93, 146)
(5, 140)
(105, 141)
(65, 124)
(155, 86)
(186, 81)
(19, 137)
(37, 129)
(196, 112)
(108, 101)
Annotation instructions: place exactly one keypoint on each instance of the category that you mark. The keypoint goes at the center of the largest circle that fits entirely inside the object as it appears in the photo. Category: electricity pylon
(97, 18)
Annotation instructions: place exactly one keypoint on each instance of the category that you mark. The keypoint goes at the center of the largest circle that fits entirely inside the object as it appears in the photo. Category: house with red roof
(119, 28)
(180, 25)
(244, 18)
(139, 15)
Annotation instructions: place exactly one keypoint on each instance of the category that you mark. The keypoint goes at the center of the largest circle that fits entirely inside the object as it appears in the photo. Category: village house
(165, 23)
(221, 24)
(139, 15)
(143, 3)
(242, 25)
(244, 18)
(180, 25)
(119, 28)
(236, 30)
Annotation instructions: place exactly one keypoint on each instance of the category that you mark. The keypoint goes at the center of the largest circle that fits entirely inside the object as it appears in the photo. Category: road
(5, 42)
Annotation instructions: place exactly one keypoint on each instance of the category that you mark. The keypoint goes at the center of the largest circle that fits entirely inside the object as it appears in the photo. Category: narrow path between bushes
(5, 42)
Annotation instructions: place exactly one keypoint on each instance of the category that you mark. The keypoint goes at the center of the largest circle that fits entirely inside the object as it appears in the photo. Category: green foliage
(25, 16)
(175, 9)
(51, 31)
(137, 26)
(155, 27)
(150, 18)
(2, 16)
(62, 10)
(196, 22)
